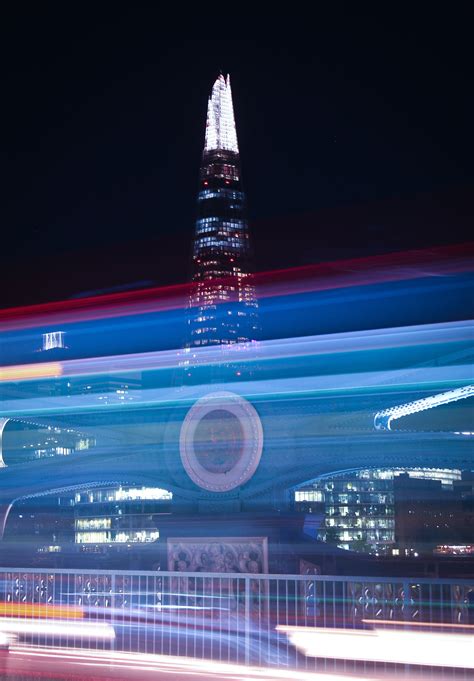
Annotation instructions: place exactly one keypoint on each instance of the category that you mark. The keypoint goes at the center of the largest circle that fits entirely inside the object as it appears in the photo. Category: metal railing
(227, 617)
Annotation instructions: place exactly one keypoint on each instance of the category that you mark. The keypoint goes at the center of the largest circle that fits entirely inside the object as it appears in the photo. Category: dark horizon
(367, 127)
(344, 232)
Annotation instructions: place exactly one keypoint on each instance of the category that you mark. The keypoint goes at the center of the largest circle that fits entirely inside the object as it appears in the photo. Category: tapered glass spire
(220, 127)
(223, 303)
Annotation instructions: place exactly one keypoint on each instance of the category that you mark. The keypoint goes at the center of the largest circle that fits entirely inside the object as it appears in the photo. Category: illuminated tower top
(220, 127)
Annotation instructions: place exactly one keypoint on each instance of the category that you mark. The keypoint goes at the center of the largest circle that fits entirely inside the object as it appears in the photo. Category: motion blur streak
(430, 625)
(418, 264)
(338, 343)
(40, 610)
(25, 372)
(170, 665)
(62, 628)
(422, 648)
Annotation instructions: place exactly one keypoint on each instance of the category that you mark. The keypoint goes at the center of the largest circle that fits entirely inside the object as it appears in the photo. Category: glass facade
(119, 515)
(24, 441)
(359, 509)
(223, 304)
(359, 512)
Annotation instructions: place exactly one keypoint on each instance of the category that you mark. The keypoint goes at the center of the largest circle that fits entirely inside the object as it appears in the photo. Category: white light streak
(173, 665)
(62, 628)
(385, 645)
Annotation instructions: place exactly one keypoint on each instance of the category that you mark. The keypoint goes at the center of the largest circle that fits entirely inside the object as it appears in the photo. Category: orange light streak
(41, 610)
(26, 372)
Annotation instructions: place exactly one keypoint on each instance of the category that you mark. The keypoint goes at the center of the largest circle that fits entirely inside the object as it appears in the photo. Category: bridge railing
(229, 617)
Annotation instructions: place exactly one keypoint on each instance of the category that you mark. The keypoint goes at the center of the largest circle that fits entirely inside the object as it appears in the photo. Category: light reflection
(200, 668)
(389, 645)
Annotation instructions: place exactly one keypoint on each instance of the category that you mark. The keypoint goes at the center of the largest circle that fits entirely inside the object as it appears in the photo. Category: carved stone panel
(218, 554)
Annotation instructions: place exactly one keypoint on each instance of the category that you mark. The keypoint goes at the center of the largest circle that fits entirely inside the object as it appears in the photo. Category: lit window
(53, 339)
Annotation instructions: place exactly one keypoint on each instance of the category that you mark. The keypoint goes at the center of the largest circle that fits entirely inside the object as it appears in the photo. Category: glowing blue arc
(383, 419)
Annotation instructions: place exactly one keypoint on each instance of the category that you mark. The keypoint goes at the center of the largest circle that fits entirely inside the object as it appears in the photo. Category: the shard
(223, 305)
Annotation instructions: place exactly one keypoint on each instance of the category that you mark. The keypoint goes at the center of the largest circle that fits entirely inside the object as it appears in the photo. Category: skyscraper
(222, 312)
(223, 305)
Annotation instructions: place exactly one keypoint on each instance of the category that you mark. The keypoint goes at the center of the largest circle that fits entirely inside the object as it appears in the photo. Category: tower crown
(220, 127)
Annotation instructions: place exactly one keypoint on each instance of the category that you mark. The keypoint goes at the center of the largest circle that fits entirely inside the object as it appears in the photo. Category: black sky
(360, 124)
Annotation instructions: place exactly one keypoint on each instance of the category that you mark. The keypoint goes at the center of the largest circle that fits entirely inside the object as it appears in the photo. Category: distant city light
(141, 493)
(53, 340)
(454, 549)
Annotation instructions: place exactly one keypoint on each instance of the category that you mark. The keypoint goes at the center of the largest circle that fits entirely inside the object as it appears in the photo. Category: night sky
(355, 136)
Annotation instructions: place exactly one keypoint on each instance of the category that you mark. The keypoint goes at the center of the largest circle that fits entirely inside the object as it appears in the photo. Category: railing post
(406, 601)
(247, 620)
(112, 609)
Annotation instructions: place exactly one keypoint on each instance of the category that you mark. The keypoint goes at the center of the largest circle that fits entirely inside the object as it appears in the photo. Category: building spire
(220, 127)
(223, 304)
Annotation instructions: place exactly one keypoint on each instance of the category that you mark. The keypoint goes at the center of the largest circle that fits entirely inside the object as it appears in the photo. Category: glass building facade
(24, 441)
(358, 509)
(98, 518)
(223, 304)
(119, 515)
